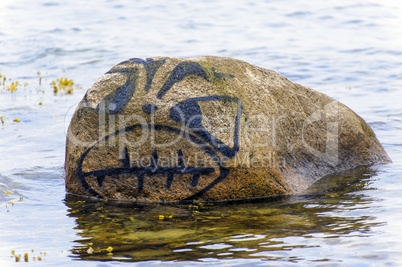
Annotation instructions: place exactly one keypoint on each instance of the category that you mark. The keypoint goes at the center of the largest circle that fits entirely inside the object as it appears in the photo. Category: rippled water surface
(350, 50)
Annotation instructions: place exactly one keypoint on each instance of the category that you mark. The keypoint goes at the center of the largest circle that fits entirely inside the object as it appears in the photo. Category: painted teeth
(155, 168)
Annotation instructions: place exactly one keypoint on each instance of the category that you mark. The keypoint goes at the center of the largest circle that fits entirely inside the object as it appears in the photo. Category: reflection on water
(295, 225)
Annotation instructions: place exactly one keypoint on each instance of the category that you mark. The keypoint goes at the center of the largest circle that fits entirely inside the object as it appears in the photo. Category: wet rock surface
(208, 128)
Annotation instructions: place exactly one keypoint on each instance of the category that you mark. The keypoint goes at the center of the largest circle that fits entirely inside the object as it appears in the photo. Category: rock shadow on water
(247, 230)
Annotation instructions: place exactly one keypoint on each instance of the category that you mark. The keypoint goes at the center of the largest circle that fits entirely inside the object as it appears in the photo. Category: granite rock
(210, 129)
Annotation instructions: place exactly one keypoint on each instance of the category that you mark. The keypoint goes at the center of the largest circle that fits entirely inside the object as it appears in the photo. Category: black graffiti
(149, 108)
(117, 101)
(154, 169)
(181, 71)
(187, 112)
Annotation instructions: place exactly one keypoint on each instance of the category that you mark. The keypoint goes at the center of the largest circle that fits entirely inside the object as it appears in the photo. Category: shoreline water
(350, 51)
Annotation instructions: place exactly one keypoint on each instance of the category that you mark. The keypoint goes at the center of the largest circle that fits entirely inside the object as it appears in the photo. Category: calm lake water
(350, 50)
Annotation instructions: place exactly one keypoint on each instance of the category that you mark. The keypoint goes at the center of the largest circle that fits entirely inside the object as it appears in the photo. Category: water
(350, 50)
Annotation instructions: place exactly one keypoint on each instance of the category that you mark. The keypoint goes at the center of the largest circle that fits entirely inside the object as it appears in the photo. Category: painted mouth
(154, 168)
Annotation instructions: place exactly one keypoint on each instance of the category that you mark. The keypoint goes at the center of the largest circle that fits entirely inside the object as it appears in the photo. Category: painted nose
(188, 113)
(149, 108)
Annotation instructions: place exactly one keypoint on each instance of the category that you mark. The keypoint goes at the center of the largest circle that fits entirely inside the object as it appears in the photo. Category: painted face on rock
(164, 120)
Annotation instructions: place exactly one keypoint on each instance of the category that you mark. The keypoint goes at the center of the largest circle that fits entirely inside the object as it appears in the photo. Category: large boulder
(208, 128)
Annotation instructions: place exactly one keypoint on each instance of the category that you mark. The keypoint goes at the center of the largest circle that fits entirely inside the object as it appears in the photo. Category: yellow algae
(109, 249)
(10, 192)
(40, 103)
(3, 80)
(40, 78)
(163, 217)
(55, 88)
(63, 84)
(90, 250)
(13, 87)
(2, 119)
(16, 120)
(14, 201)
